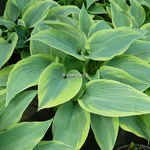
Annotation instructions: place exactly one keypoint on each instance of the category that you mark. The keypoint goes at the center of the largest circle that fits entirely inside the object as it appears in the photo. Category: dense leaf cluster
(88, 59)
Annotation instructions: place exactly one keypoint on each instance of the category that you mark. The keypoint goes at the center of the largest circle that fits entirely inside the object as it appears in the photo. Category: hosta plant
(94, 73)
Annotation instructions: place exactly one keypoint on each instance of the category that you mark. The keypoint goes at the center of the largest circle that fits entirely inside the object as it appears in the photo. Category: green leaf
(70, 21)
(38, 47)
(120, 17)
(21, 3)
(122, 4)
(35, 13)
(147, 1)
(102, 127)
(26, 73)
(82, 89)
(61, 41)
(102, 44)
(53, 145)
(13, 112)
(112, 73)
(147, 19)
(63, 11)
(6, 48)
(2, 87)
(142, 31)
(57, 53)
(22, 37)
(23, 135)
(2, 99)
(75, 64)
(97, 8)
(147, 4)
(141, 1)
(31, 3)
(147, 91)
(121, 101)
(85, 21)
(4, 75)
(137, 10)
(100, 25)
(134, 66)
(8, 24)
(20, 22)
(24, 54)
(89, 3)
(141, 49)
(133, 124)
(55, 86)
(146, 119)
(76, 33)
(75, 124)
(2, 105)
(147, 28)
(11, 12)
(2, 94)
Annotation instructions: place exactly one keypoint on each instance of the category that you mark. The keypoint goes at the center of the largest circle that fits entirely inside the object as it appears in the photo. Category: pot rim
(143, 146)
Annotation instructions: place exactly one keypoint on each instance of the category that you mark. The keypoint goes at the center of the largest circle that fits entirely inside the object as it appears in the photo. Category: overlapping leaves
(13, 112)
(105, 44)
(134, 66)
(22, 135)
(36, 13)
(121, 101)
(7, 48)
(26, 73)
(61, 41)
(116, 87)
(55, 87)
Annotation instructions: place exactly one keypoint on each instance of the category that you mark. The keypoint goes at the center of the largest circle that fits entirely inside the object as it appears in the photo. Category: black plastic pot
(140, 147)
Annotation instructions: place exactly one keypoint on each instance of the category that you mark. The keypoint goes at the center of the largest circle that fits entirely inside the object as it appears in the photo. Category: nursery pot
(139, 146)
